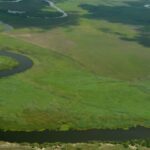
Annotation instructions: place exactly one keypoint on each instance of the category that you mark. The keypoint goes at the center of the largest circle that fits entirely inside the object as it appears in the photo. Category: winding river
(8, 27)
(50, 3)
(24, 63)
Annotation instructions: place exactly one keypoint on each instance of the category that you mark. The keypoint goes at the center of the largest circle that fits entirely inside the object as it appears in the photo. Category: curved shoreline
(118, 135)
(24, 63)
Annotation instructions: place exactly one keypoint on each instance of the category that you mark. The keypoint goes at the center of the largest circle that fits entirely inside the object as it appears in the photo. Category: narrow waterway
(118, 135)
(24, 63)
(51, 4)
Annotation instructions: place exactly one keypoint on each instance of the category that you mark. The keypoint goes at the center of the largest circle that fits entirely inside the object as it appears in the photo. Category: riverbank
(69, 146)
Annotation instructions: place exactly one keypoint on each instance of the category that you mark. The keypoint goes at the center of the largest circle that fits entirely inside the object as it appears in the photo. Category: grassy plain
(91, 69)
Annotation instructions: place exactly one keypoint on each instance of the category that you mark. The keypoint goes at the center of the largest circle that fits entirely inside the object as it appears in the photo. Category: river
(24, 63)
(107, 135)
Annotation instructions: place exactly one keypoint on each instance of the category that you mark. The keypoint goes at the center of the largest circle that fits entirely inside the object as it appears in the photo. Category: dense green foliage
(91, 69)
(7, 63)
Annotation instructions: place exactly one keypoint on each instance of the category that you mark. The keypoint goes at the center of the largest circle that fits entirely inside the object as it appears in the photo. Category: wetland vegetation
(91, 68)
(7, 63)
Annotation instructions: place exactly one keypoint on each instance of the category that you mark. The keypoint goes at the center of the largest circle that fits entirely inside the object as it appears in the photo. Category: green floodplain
(91, 69)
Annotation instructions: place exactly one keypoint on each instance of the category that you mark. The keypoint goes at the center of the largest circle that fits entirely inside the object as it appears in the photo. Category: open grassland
(91, 69)
(110, 40)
